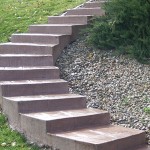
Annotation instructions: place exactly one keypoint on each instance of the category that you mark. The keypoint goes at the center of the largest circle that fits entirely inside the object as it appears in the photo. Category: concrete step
(19, 60)
(28, 73)
(86, 11)
(59, 43)
(38, 38)
(93, 4)
(58, 121)
(69, 19)
(53, 102)
(145, 147)
(33, 87)
(98, 138)
(26, 48)
(12, 106)
(54, 28)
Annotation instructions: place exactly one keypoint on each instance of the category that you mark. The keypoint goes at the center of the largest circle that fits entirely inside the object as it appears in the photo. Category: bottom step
(99, 138)
(143, 148)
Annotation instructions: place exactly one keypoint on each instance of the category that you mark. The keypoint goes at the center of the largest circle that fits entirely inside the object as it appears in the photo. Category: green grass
(12, 140)
(17, 15)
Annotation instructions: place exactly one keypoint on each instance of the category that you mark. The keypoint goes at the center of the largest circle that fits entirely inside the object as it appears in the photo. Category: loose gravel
(110, 82)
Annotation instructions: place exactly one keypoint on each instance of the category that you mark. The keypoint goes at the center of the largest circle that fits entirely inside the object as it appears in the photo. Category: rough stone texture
(115, 83)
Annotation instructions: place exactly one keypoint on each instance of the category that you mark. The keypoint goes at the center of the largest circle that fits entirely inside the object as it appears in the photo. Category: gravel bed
(114, 83)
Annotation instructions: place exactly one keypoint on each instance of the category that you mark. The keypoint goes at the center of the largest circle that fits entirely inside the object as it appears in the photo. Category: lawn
(12, 140)
(17, 15)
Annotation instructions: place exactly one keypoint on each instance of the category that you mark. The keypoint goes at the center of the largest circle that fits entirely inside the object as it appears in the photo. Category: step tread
(70, 16)
(85, 9)
(96, 2)
(39, 34)
(28, 68)
(32, 82)
(43, 97)
(28, 44)
(99, 135)
(82, 8)
(24, 55)
(55, 25)
(48, 116)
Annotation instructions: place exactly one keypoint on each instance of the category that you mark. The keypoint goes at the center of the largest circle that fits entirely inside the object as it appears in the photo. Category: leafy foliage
(125, 27)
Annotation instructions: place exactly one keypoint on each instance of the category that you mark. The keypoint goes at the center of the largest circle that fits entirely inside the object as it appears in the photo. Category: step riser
(65, 41)
(68, 20)
(34, 129)
(51, 29)
(13, 108)
(34, 89)
(25, 49)
(93, 5)
(13, 75)
(35, 39)
(121, 144)
(69, 124)
(26, 61)
(92, 12)
(10, 108)
(76, 31)
(130, 142)
(51, 105)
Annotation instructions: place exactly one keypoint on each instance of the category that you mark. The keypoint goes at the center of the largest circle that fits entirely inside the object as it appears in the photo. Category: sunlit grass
(17, 15)
(12, 140)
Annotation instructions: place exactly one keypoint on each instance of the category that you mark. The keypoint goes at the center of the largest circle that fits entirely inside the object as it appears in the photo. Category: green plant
(125, 27)
(147, 99)
(125, 101)
(147, 110)
(12, 140)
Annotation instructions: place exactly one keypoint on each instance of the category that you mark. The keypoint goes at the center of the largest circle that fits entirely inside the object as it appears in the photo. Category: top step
(93, 4)
(86, 11)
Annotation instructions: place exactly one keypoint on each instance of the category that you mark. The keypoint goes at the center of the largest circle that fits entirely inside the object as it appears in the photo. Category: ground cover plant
(12, 140)
(125, 27)
(17, 15)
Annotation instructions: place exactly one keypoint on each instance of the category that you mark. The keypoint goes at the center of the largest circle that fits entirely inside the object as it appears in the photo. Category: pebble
(118, 84)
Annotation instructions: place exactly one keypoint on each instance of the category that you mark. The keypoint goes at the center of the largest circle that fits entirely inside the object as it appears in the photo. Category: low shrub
(125, 27)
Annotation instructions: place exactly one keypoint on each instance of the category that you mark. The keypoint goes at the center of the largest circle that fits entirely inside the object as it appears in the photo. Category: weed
(125, 101)
(147, 110)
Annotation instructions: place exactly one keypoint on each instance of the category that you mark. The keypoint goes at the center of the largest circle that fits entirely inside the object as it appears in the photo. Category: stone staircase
(37, 102)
